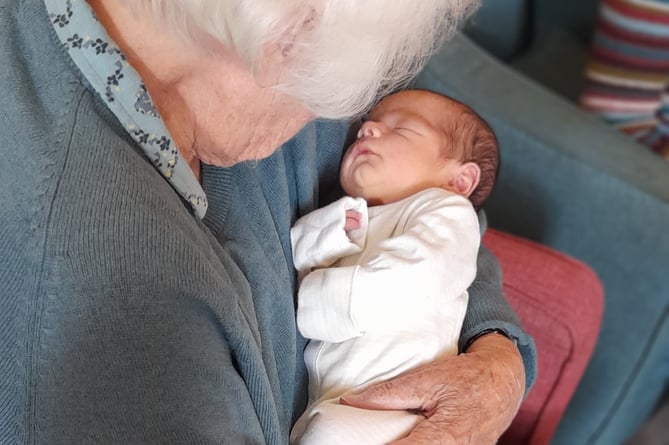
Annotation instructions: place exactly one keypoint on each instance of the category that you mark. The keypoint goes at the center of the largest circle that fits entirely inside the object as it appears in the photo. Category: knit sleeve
(488, 308)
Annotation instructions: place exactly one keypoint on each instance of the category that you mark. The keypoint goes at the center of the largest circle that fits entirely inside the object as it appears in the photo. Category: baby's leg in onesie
(331, 423)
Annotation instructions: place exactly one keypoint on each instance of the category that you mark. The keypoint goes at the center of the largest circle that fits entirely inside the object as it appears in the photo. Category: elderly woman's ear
(285, 48)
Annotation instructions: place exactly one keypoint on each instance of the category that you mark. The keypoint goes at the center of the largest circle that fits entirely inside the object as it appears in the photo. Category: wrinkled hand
(469, 399)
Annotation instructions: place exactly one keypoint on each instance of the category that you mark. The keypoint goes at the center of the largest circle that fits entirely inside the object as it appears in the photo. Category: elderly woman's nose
(370, 129)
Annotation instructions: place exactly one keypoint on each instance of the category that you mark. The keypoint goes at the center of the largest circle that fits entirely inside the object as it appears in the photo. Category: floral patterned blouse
(119, 85)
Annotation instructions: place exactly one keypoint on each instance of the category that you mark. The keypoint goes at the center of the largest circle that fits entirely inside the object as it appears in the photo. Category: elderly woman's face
(253, 129)
(214, 108)
(236, 118)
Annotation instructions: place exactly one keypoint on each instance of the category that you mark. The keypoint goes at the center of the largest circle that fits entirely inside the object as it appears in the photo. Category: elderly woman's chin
(251, 140)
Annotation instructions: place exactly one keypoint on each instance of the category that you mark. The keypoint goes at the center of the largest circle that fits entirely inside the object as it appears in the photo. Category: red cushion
(560, 302)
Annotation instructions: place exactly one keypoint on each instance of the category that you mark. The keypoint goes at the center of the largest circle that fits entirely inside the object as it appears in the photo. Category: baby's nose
(369, 129)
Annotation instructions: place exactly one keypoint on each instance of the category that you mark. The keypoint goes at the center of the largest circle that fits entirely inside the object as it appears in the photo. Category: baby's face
(398, 151)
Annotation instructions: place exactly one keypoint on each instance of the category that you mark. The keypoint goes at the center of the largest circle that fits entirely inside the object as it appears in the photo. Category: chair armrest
(560, 302)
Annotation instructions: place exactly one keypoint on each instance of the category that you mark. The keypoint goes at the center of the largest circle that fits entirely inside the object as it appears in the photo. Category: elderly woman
(147, 283)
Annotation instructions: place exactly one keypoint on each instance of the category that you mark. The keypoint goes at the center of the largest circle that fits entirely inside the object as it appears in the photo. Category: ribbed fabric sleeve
(318, 239)
(485, 313)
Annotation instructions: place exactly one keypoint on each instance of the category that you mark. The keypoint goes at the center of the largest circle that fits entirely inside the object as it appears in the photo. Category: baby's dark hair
(473, 140)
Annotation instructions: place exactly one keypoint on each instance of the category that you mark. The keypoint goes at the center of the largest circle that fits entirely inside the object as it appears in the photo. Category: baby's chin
(349, 189)
(367, 183)
(364, 193)
(354, 183)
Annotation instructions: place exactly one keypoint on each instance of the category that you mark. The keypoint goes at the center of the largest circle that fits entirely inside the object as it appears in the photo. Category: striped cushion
(627, 77)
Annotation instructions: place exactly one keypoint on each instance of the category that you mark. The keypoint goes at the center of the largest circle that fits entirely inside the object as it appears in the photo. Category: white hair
(346, 53)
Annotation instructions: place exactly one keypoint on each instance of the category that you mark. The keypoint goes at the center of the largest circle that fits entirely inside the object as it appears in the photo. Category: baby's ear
(467, 179)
